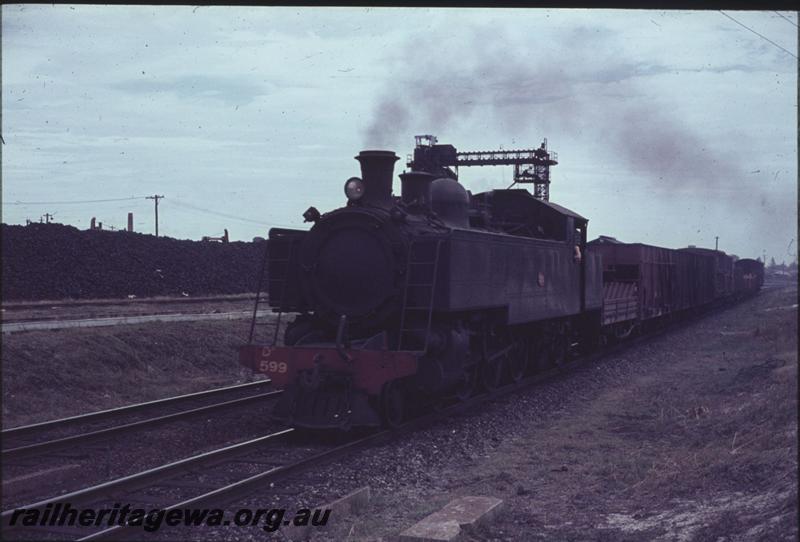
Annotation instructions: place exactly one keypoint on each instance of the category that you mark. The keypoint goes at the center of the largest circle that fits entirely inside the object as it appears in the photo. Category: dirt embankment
(51, 374)
(54, 261)
(704, 447)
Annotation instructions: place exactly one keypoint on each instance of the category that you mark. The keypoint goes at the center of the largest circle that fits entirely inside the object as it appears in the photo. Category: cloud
(231, 90)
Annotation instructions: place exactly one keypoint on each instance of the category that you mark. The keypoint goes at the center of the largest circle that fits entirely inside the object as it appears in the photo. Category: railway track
(217, 476)
(26, 444)
(51, 324)
(224, 475)
(22, 305)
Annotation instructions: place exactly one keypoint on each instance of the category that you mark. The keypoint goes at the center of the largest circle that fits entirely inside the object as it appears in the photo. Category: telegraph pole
(156, 198)
(47, 217)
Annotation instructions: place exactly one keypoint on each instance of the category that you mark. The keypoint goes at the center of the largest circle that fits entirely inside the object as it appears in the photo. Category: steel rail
(85, 438)
(140, 479)
(246, 486)
(110, 317)
(112, 321)
(22, 305)
(127, 409)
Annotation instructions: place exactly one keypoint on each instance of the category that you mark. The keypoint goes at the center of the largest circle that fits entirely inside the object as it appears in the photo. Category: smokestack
(92, 225)
(416, 186)
(377, 170)
(130, 221)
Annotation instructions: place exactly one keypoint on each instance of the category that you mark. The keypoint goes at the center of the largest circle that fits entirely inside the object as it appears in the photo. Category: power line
(70, 202)
(784, 17)
(173, 201)
(225, 215)
(757, 34)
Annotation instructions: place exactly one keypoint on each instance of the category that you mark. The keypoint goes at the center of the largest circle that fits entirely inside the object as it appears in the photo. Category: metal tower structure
(531, 166)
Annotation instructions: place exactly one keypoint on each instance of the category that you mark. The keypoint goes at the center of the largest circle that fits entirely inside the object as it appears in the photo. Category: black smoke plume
(581, 84)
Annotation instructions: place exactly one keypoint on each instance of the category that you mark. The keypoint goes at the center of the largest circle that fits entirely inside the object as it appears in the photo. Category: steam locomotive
(403, 302)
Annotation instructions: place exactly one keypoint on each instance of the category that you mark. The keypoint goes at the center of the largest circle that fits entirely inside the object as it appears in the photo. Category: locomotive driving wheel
(538, 354)
(492, 375)
(496, 350)
(518, 360)
(393, 404)
(468, 384)
(559, 347)
(438, 404)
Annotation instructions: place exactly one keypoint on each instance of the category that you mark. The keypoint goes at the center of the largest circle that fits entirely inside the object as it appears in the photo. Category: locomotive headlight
(354, 189)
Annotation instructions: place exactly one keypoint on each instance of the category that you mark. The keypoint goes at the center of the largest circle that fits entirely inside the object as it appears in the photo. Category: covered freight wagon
(643, 282)
(748, 276)
(723, 270)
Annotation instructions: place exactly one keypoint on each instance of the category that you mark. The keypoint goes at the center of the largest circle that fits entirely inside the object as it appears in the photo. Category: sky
(671, 127)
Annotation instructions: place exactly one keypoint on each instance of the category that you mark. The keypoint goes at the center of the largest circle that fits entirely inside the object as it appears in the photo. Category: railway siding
(12, 327)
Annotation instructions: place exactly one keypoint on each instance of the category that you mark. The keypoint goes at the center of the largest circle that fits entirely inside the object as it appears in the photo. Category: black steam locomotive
(402, 302)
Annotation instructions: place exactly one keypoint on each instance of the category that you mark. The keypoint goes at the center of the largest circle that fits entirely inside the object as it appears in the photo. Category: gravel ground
(690, 437)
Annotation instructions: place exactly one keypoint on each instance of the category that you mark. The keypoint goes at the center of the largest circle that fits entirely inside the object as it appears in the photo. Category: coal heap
(54, 261)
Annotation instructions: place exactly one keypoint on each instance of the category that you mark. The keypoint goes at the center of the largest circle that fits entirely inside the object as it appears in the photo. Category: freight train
(400, 303)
